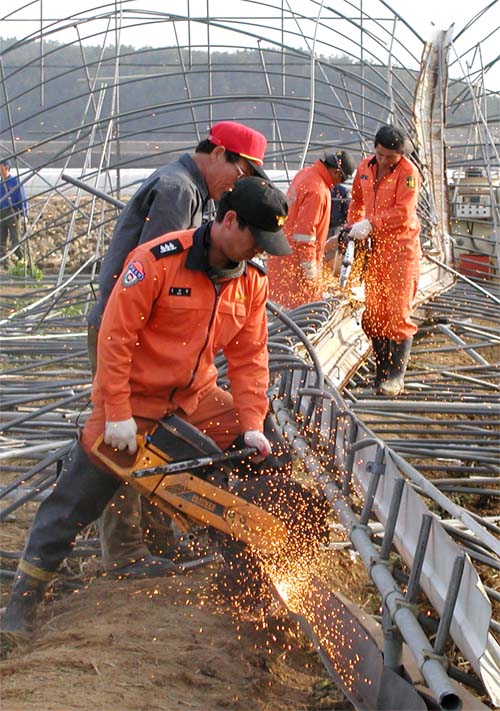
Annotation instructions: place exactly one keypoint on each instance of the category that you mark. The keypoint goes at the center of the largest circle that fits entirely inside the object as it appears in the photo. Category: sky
(425, 16)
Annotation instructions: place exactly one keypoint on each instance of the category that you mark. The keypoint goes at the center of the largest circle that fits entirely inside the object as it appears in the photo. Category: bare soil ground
(166, 644)
(170, 644)
(161, 644)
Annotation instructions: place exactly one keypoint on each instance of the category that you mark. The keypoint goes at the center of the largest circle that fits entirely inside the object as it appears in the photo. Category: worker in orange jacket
(182, 298)
(297, 279)
(384, 206)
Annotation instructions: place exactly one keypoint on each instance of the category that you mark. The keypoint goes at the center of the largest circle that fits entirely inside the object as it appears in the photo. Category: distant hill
(163, 92)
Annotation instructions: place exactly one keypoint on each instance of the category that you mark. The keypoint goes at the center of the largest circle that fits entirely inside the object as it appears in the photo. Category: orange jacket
(391, 206)
(164, 323)
(391, 278)
(296, 279)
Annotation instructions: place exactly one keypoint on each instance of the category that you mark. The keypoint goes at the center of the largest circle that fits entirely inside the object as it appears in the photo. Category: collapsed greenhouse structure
(412, 481)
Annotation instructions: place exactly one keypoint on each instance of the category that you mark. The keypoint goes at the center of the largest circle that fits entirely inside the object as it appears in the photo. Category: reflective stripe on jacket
(163, 325)
(291, 278)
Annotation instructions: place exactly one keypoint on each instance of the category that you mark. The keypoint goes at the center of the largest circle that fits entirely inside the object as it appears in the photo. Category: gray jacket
(173, 198)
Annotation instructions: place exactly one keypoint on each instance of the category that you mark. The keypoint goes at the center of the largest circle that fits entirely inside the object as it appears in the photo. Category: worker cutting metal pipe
(384, 207)
(182, 298)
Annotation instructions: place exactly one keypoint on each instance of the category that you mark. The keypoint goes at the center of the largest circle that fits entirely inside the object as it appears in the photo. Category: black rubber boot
(399, 357)
(151, 566)
(19, 617)
(381, 357)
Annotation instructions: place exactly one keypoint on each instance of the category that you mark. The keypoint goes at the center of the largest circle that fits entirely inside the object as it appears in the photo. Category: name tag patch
(134, 273)
(165, 249)
(179, 291)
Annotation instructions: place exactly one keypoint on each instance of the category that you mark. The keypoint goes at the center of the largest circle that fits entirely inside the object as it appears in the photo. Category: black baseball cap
(264, 208)
(343, 161)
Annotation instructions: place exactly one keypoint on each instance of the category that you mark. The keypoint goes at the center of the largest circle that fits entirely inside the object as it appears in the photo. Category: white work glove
(310, 270)
(360, 230)
(121, 435)
(256, 439)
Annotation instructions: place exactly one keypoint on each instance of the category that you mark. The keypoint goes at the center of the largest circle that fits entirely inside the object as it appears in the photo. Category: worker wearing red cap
(240, 139)
(297, 279)
(174, 197)
(384, 206)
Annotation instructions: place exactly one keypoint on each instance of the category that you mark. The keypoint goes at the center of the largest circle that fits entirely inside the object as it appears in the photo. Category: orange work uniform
(391, 278)
(297, 279)
(165, 321)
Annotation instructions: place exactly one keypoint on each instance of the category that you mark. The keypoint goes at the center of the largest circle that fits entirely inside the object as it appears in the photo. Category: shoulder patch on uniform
(411, 182)
(134, 273)
(167, 248)
(259, 266)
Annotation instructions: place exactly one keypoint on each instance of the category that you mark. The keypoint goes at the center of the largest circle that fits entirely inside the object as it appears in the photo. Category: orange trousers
(391, 284)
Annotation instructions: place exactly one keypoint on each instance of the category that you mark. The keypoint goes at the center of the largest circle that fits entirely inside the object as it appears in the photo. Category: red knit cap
(236, 137)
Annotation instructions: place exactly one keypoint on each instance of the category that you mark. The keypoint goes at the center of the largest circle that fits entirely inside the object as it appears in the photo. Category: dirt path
(162, 645)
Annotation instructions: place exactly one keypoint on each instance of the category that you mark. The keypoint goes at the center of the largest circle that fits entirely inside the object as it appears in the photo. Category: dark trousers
(9, 229)
(78, 498)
